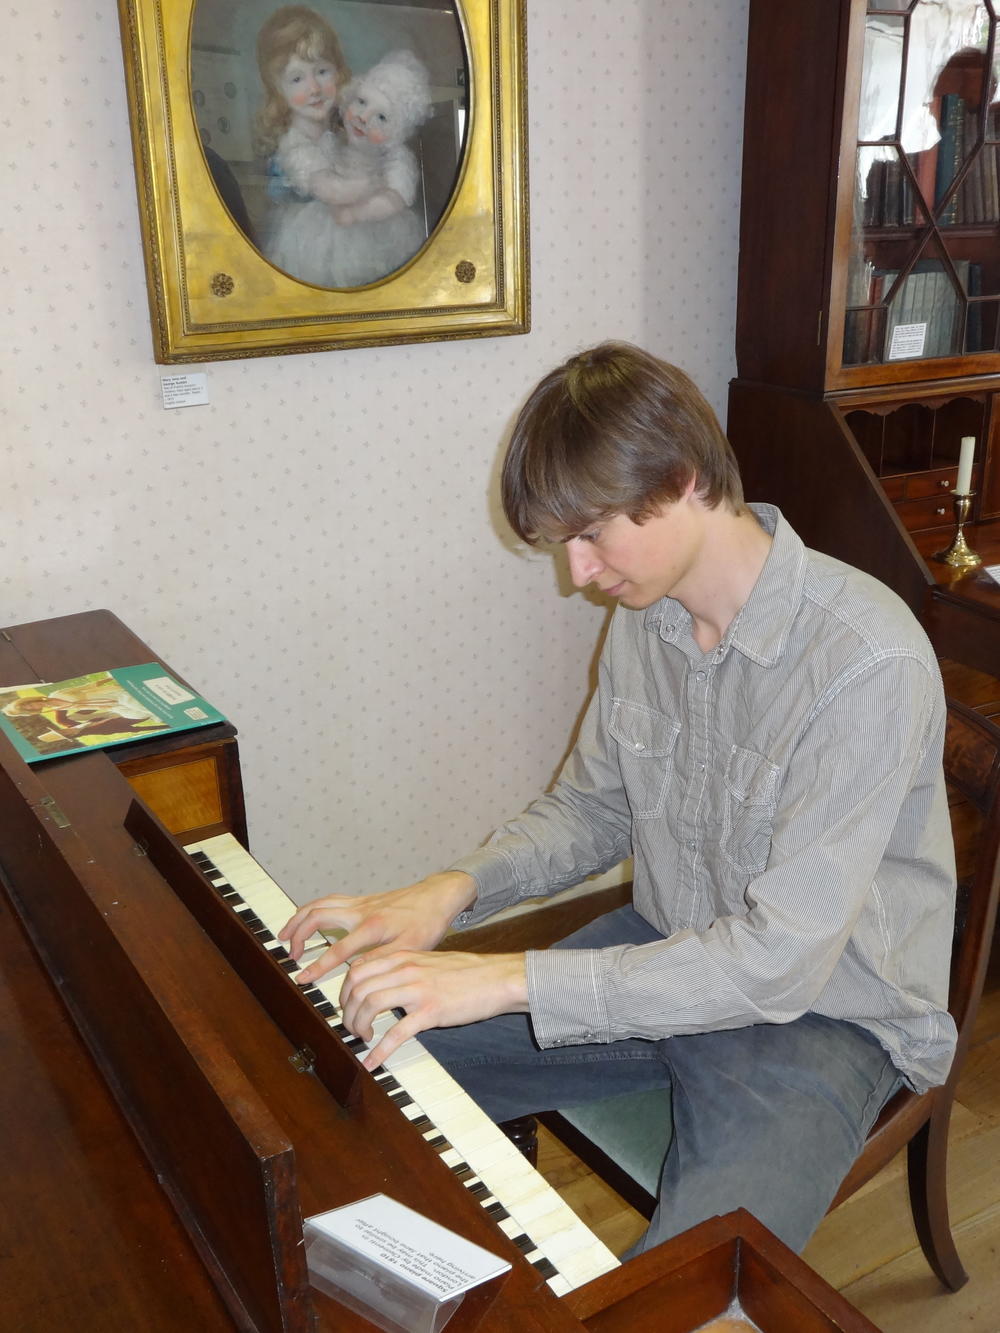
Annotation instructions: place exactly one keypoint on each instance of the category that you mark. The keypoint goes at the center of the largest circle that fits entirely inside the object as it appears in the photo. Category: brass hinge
(54, 813)
(303, 1060)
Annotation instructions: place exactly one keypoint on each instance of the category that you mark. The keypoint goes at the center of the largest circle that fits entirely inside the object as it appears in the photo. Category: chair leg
(927, 1172)
(523, 1133)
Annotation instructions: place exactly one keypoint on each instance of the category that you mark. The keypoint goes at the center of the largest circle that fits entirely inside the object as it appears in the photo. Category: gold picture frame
(212, 292)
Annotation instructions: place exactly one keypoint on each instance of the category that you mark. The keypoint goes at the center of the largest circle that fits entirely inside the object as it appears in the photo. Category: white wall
(318, 548)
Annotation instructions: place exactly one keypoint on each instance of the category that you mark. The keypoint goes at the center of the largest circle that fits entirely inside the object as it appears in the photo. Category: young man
(765, 741)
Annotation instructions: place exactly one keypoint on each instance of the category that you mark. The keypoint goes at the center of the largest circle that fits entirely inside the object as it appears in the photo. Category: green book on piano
(44, 720)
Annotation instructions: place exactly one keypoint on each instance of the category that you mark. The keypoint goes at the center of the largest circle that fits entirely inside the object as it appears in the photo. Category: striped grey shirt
(783, 798)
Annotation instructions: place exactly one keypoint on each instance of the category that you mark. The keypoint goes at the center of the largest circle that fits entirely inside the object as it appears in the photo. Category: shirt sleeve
(871, 741)
(582, 827)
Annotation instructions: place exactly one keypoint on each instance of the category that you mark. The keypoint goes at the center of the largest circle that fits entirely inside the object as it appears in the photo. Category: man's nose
(584, 562)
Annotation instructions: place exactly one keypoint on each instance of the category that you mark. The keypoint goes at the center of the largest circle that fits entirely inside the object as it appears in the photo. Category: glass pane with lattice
(924, 257)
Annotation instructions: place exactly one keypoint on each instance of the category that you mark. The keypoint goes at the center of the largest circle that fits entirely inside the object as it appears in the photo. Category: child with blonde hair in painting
(303, 69)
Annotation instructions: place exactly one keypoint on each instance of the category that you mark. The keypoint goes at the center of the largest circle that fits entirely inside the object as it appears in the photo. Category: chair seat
(634, 1130)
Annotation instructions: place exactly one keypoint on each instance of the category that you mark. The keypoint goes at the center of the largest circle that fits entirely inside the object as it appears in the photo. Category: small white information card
(907, 340)
(412, 1246)
(184, 390)
(993, 571)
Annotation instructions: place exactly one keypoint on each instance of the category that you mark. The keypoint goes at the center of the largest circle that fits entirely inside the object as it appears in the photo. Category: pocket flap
(750, 777)
(643, 732)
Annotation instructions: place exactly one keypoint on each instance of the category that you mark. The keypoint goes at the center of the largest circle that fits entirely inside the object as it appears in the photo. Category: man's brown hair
(613, 430)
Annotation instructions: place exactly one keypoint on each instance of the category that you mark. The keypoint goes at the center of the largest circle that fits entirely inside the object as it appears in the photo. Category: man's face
(638, 563)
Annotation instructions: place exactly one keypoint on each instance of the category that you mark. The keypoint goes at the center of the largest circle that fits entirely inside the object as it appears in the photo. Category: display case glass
(923, 272)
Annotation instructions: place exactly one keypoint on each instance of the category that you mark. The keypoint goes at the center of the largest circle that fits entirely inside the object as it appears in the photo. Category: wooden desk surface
(963, 612)
(984, 538)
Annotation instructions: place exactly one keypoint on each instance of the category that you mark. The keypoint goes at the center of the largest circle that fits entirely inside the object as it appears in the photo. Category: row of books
(925, 317)
(891, 196)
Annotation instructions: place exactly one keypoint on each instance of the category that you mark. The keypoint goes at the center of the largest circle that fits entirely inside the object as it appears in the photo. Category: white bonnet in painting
(400, 80)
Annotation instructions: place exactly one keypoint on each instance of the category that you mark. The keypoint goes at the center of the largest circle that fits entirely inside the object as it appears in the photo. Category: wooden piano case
(250, 1113)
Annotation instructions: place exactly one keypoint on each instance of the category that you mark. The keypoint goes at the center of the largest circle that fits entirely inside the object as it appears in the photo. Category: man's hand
(436, 990)
(412, 918)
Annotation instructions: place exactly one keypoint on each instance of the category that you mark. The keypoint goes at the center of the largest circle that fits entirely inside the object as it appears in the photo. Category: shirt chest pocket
(646, 741)
(751, 796)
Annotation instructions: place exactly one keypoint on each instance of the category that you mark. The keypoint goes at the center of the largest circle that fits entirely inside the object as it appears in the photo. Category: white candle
(964, 483)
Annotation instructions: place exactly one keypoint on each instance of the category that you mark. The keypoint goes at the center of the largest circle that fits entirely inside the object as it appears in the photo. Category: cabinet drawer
(920, 484)
(933, 511)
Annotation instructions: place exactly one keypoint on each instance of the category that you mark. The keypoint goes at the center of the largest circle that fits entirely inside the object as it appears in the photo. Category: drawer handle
(944, 483)
(940, 511)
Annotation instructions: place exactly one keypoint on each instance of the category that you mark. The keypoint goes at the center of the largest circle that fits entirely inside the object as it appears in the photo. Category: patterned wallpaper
(319, 548)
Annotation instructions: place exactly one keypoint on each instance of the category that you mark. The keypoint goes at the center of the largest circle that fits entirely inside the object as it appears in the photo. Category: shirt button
(700, 675)
(639, 745)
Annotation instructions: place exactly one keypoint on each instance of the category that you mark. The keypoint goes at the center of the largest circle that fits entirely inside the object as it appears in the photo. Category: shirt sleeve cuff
(566, 996)
(494, 878)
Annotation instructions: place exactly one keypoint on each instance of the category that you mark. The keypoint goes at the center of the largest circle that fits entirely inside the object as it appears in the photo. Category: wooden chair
(624, 1139)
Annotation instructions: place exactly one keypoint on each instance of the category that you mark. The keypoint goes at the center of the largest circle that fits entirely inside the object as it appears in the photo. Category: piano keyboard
(520, 1201)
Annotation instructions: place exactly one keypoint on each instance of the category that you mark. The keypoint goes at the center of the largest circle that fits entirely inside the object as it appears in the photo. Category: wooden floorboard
(867, 1247)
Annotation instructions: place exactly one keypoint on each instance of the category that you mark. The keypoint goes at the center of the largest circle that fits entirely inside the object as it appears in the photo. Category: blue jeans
(767, 1118)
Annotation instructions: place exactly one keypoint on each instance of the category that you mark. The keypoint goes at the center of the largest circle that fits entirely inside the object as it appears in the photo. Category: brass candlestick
(960, 554)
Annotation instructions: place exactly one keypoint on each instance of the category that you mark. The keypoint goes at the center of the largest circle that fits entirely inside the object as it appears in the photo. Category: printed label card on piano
(399, 1269)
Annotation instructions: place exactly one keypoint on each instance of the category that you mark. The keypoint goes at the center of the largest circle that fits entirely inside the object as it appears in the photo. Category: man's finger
(328, 961)
(392, 1040)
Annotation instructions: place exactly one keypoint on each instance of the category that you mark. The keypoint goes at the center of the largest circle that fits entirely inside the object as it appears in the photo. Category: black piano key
(546, 1267)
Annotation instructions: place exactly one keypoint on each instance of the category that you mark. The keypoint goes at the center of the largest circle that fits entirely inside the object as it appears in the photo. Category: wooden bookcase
(868, 322)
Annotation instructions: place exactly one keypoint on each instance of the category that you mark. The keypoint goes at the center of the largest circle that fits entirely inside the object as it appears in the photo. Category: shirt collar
(760, 630)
